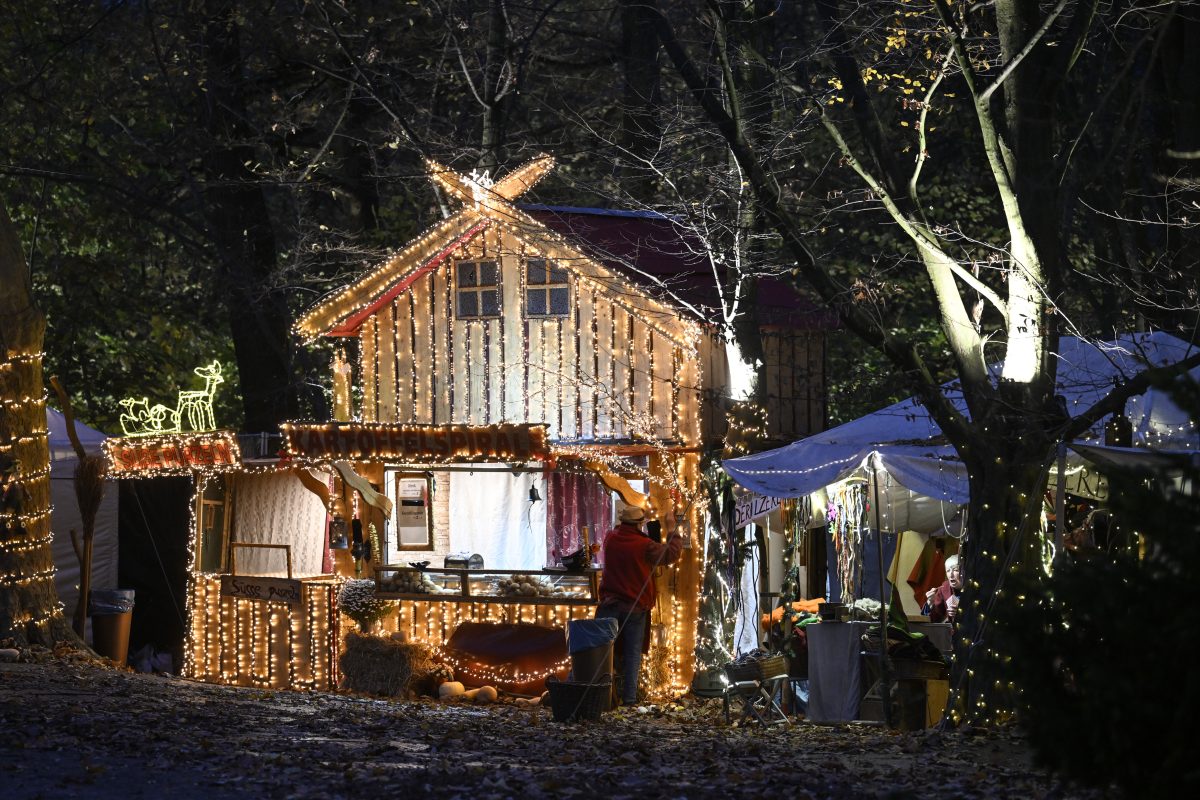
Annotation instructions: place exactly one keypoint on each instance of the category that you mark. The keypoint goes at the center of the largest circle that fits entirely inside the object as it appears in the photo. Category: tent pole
(885, 678)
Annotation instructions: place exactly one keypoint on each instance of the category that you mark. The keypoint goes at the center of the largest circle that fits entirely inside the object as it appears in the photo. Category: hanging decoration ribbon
(847, 507)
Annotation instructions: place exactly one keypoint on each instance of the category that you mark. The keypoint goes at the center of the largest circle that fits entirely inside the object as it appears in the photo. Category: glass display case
(545, 586)
(412, 582)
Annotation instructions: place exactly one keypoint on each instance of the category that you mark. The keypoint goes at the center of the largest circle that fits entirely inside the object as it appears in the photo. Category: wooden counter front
(289, 643)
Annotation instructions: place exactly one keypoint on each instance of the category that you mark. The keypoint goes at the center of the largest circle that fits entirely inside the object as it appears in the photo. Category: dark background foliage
(1107, 695)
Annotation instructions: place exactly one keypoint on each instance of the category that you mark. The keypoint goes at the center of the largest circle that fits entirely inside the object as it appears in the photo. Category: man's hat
(631, 514)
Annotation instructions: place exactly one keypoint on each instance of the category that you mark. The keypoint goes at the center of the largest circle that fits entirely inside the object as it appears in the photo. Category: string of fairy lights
(24, 542)
(267, 644)
(243, 642)
(533, 239)
(237, 641)
(491, 674)
(491, 378)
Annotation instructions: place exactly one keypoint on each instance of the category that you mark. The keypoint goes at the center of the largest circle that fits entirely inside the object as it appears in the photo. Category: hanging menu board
(414, 528)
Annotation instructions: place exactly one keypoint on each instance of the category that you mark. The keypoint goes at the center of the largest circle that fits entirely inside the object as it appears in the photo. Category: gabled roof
(487, 205)
(664, 256)
(341, 313)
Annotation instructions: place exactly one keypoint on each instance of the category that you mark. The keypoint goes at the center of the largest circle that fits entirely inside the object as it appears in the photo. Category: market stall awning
(811, 464)
(904, 443)
(1138, 459)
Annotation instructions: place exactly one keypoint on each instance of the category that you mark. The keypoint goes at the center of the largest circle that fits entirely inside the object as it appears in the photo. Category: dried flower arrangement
(357, 600)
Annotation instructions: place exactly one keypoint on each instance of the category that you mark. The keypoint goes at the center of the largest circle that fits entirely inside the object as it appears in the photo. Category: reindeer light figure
(198, 404)
(194, 405)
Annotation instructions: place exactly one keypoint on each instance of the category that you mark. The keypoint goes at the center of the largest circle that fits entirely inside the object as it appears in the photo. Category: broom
(89, 491)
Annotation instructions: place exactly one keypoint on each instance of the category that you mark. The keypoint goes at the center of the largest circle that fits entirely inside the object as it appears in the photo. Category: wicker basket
(757, 670)
(570, 700)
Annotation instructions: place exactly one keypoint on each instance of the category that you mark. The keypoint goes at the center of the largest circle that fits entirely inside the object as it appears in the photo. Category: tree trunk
(1182, 159)
(491, 144)
(240, 225)
(641, 133)
(1007, 481)
(30, 612)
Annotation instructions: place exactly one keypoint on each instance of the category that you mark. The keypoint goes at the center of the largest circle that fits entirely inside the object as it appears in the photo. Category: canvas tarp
(902, 449)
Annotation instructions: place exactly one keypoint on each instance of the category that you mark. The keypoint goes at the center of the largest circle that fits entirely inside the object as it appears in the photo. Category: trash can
(590, 643)
(111, 611)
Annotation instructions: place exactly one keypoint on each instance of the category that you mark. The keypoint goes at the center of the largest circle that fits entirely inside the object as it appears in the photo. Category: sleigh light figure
(193, 409)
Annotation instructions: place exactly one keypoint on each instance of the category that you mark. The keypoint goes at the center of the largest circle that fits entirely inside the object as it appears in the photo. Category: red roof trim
(352, 323)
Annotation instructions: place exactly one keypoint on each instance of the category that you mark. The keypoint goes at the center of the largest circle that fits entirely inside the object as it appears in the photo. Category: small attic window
(547, 291)
(478, 292)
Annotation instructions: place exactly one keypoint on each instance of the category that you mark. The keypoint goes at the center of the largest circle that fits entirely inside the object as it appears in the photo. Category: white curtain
(275, 508)
(63, 517)
(491, 514)
(748, 625)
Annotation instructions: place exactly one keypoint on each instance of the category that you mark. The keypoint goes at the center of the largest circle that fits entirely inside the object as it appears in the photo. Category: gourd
(450, 689)
(484, 694)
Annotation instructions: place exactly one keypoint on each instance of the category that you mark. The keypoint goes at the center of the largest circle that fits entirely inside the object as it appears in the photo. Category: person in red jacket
(627, 590)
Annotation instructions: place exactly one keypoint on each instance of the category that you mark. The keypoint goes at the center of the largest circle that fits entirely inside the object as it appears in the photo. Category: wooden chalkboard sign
(250, 587)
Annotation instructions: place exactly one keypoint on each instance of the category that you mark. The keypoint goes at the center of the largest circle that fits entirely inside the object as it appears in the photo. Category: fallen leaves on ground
(72, 726)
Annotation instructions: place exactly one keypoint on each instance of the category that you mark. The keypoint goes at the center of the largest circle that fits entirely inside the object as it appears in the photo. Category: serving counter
(434, 602)
(556, 587)
(270, 633)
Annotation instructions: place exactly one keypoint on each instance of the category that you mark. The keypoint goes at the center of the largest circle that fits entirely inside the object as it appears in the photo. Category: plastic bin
(111, 611)
(592, 665)
(590, 643)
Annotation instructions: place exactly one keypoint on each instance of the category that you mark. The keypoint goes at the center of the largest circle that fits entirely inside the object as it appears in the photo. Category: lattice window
(547, 290)
(478, 289)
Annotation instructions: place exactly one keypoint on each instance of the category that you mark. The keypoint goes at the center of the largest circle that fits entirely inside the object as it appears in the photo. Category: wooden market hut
(490, 318)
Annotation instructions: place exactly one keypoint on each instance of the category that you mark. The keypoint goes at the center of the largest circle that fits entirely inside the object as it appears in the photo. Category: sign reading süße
(172, 454)
(273, 590)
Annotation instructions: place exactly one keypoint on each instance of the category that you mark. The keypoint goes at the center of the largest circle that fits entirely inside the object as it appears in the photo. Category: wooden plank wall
(794, 373)
(585, 375)
(714, 391)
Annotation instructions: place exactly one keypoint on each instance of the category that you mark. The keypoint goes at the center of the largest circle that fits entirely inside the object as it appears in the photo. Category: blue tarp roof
(907, 445)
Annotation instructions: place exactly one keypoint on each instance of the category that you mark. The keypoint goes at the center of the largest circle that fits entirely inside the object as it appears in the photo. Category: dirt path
(78, 729)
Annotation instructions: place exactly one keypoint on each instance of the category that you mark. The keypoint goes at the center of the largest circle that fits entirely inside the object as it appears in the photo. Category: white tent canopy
(903, 450)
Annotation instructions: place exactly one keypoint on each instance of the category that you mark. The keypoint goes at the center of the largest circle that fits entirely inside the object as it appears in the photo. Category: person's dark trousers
(631, 631)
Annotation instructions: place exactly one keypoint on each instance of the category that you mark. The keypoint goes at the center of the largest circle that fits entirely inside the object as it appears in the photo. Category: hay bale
(375, 665)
